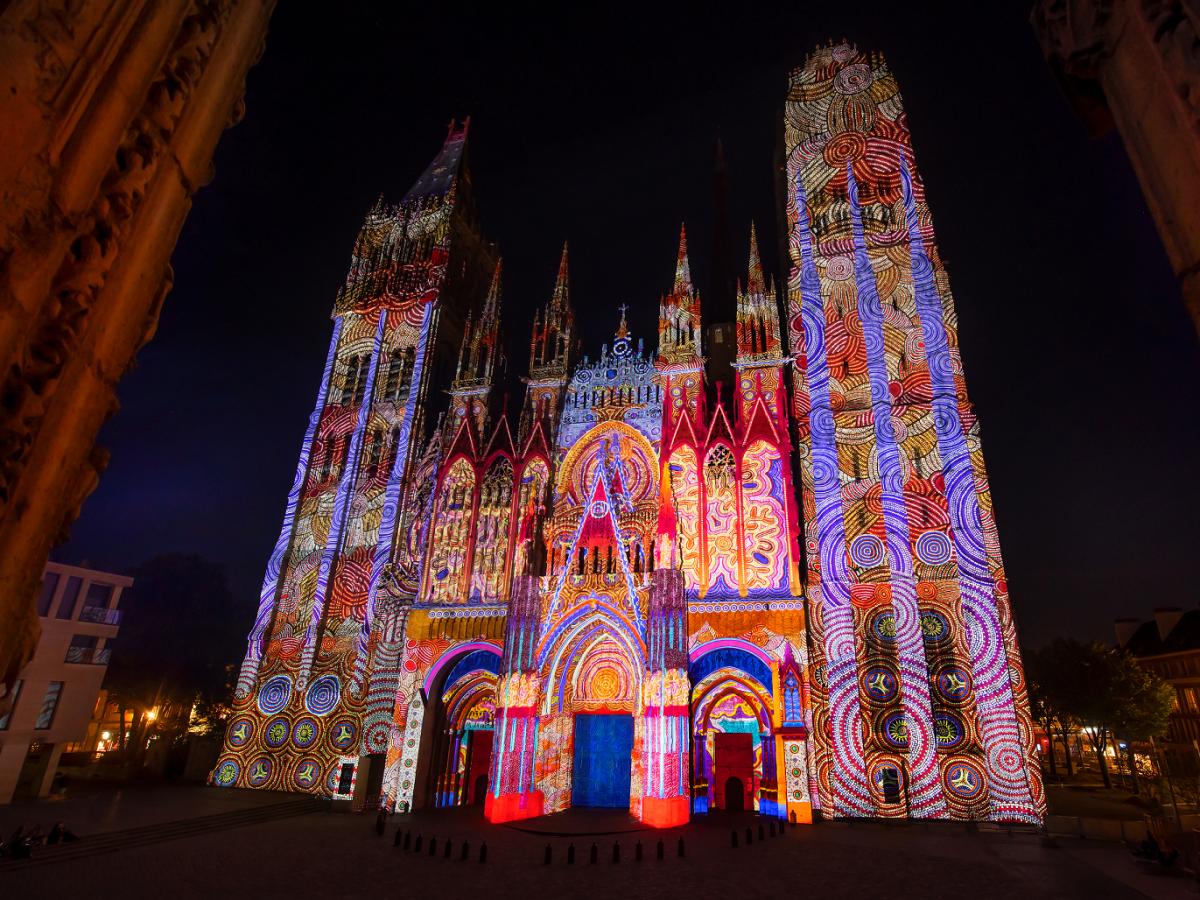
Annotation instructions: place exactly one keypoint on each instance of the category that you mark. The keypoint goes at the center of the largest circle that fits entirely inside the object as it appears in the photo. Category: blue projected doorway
(603, 756)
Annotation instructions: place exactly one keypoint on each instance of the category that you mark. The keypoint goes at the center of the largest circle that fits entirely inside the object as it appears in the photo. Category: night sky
(602, 130)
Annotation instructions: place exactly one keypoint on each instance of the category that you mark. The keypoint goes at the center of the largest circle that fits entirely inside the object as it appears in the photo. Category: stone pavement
(338, 855)
(94, 807)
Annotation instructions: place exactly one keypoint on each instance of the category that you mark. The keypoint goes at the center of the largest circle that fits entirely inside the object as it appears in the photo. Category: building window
(46, 597)
(360, 381)
(82, 649)
(327, 462)
(66, 606)
(889, 784)
(98, 595)
(7, 717)
(49, 705)
(355, 384)
(391, 386)
(410, 360)
(376, 452)
(791, 701)
(346, 778)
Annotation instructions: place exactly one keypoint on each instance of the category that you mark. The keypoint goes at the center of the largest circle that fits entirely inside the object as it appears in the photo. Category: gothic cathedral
(644, 591)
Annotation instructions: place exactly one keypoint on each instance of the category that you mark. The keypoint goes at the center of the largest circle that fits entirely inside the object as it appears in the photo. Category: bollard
(433, 846)
(637, 851)
(749, 836)
(548, 856)
(399, 835)
(679, 849)
(733, 839)
(465, 852)
(659, 851)
(570, 854)
(417, 843)
(449, 846)
(762, 834)
(407, 839)
(616, 851)
(483, 852)
(594, 855)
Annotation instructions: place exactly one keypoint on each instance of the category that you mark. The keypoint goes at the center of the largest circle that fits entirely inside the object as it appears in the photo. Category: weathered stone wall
(1136, 64)
(109, 114)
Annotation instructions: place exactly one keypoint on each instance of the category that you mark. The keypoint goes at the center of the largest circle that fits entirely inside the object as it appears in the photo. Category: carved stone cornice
(32, 378)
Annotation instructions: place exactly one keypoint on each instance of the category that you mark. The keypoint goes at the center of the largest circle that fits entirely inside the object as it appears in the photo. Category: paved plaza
(338, 855)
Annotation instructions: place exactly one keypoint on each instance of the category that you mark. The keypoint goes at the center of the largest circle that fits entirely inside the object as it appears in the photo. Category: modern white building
(57, 690)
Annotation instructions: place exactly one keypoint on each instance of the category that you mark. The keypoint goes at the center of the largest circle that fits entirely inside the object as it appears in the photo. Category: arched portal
(463, 693)
(731, 725)
(591, 693)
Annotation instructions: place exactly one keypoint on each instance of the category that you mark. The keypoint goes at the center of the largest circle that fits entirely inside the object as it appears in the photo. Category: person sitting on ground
(60, 834)
(1147, 849)
(18, 845)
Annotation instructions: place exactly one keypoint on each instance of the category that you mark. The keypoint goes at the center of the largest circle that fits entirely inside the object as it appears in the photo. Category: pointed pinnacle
(560, 296)
(754, 280)
(683, 271)
(491, 306)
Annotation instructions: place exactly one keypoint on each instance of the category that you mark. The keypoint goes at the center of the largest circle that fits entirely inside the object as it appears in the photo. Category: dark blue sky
(601, 129)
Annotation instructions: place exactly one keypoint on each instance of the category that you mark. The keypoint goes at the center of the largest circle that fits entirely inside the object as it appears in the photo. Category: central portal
(603, 757)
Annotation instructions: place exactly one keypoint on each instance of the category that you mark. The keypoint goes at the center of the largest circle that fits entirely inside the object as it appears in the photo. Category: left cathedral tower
(316, 691)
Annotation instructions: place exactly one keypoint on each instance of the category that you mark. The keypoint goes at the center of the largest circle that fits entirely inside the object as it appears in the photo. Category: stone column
(512, 792)
(109, 114)
(665, 690)
(1135, 64)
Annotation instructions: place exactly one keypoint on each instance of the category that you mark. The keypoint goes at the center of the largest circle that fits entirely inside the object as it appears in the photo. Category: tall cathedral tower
(920, 696)
(607, 605)
(319, 676)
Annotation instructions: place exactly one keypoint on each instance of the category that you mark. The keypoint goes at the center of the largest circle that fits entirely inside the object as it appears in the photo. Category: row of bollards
(660, 851)
(764, 831)
(405, 841)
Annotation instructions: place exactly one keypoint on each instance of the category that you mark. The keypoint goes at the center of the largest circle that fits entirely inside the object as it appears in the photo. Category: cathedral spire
(561, 299)
(754, 280)
(491, 305)
(477, 358)
(759, 344)
(679, 330)
(683, 272)
(551, 352)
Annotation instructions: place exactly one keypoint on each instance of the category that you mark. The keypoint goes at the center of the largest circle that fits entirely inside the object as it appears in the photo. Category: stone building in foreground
(109, 114)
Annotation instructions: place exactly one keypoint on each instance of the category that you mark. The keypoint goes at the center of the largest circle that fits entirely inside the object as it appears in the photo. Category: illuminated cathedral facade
(784, 594)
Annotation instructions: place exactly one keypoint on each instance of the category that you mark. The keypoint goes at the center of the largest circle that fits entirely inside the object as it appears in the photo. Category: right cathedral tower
(910, 628)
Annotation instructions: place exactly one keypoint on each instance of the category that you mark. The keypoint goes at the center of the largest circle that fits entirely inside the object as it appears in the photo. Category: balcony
(89, 655)
(100, 615)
